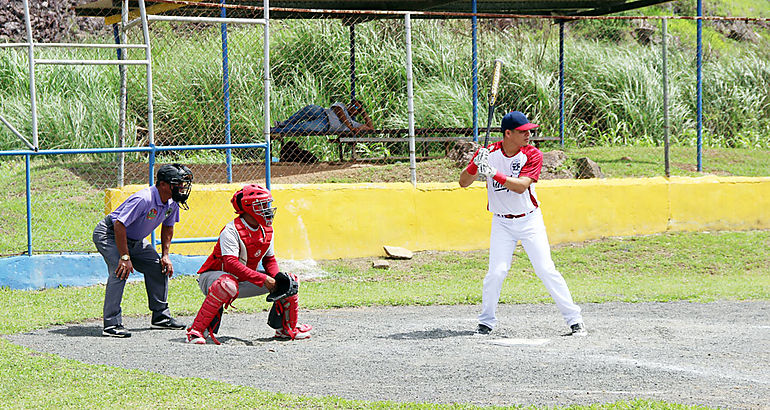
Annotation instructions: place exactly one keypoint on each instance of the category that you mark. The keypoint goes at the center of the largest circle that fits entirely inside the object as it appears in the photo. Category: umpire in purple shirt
(121, 239)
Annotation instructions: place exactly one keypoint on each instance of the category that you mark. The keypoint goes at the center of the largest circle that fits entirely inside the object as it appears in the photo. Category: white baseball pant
(530, 230)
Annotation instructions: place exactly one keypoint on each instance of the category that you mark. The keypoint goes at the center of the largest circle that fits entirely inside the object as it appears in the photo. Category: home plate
(519, 342)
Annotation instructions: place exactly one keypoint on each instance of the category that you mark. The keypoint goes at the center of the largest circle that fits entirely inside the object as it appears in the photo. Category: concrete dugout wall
(327, 221)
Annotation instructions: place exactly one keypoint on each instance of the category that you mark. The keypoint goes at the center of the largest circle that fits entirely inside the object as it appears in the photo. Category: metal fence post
(410, 99)
(664, 35)
(32, 92)
(226, 95)
(699, 85)
(29, 205)
(266, 60)
(119, 35)
(561, 83)
(475, 71)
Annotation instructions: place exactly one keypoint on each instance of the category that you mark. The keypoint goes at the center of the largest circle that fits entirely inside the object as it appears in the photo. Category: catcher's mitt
(285, 285)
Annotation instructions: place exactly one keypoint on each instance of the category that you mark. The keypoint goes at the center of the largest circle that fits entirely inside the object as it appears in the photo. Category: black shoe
(116, 331)
(169, 323)
(578, 329)
(483, 330)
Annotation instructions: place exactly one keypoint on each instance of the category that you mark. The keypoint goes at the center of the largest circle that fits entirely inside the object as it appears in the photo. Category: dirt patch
(694, 168)
(52, 21)
(98, 174)
(678, 352)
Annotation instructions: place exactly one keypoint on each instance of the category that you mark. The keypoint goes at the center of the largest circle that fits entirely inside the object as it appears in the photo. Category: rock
(585, 169)
(291, 152)
(740, 31)
(381, 264)
(396, 252)
(553, 166)
(643, 34)
(462, 152)
(52, 21)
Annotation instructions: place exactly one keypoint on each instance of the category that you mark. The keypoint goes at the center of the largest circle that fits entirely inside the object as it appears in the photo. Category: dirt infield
(713, 354)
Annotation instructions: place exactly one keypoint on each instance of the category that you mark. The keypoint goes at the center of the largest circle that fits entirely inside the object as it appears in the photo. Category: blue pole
(116, 34)
(352, 63)
(226, 92)
(475, 72)
(561, 83)
(699, 86)
(151, 168)
(29, 208)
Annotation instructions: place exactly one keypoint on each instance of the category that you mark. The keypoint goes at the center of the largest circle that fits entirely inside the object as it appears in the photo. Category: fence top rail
(389, 131)
(132, 149)
(72, 45)
(295, 12)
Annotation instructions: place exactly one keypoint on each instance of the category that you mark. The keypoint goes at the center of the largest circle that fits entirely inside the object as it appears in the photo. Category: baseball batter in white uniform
(511, 168)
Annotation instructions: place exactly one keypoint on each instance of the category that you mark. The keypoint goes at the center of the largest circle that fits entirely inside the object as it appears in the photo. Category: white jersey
(526, 163)
(230, 242)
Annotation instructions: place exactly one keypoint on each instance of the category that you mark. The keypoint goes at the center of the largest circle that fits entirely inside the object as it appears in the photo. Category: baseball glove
(285, 285)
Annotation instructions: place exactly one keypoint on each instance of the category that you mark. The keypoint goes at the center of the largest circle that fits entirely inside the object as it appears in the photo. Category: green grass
(624, 162)
(697, 267)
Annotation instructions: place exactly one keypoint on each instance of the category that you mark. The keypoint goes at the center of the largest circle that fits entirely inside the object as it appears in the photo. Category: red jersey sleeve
(534, 163)
(271, 265)
(232, 265)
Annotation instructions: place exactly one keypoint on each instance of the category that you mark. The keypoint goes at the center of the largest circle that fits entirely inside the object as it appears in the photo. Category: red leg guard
(222, 293)
(289, 311)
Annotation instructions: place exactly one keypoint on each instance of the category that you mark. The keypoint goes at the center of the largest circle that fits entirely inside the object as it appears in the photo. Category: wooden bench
(422, 135)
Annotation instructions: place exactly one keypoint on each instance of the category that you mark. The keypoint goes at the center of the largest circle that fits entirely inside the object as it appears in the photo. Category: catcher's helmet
(255, 201)
(180, 178)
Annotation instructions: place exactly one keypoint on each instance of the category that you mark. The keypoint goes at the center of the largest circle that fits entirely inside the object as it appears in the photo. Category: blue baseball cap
(516, 120)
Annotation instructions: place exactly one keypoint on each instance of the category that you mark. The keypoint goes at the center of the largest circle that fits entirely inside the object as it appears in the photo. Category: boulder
(381, 264)
(396, 252)
(553, 166)
(462, 152)
(585, 169)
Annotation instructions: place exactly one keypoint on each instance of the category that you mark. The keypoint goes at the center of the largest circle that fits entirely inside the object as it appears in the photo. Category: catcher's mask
(255, 201)
(180, 178)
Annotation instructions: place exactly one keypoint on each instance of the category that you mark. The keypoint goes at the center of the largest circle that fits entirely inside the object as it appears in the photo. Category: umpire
(121, 239)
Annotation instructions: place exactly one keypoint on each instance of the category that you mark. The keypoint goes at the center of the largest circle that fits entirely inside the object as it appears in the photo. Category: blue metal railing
(152, 149)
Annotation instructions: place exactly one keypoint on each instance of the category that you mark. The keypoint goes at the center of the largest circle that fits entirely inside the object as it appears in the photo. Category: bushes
(613, 88)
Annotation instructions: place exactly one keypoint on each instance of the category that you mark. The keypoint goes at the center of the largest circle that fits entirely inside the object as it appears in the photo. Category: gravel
(713, 354)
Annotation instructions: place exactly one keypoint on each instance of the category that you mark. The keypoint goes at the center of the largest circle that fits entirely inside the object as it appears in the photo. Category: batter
(511, 168)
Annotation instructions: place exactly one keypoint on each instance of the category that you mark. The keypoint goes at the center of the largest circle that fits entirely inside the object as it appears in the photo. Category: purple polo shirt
(143, 211)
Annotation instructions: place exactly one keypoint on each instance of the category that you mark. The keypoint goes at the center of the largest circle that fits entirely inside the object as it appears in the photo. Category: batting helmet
(180, 178)
(255, 201)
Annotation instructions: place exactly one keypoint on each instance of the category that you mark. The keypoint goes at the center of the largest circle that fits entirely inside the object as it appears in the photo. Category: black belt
(512, 216)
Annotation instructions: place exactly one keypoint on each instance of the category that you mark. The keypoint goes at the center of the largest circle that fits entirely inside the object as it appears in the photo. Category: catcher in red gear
(231, 271)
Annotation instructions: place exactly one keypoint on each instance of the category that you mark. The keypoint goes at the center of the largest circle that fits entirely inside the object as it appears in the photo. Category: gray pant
(145, 259)
(245, 289)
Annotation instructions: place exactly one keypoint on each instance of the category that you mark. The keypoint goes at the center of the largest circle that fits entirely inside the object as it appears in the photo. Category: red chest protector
(257, 243)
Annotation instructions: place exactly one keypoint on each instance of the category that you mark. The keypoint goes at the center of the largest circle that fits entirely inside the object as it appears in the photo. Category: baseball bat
(493, 96)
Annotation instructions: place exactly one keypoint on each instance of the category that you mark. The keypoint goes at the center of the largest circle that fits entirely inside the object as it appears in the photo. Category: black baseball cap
(516, 120)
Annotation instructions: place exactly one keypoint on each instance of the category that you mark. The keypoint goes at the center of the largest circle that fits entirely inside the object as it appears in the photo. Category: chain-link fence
(340, 99)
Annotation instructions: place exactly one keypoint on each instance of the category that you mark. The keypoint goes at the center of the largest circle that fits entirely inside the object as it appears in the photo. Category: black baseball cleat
(483, 330)
(169, 323)
(116, 331)
(578, 329)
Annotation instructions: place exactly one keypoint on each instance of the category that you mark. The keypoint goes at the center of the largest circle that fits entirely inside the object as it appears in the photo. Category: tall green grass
(613, 84)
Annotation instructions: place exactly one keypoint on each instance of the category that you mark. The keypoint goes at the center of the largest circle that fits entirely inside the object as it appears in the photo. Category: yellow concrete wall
(326, 221)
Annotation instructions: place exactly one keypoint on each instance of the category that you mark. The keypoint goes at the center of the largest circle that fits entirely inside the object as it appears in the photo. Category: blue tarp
(73, 269)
